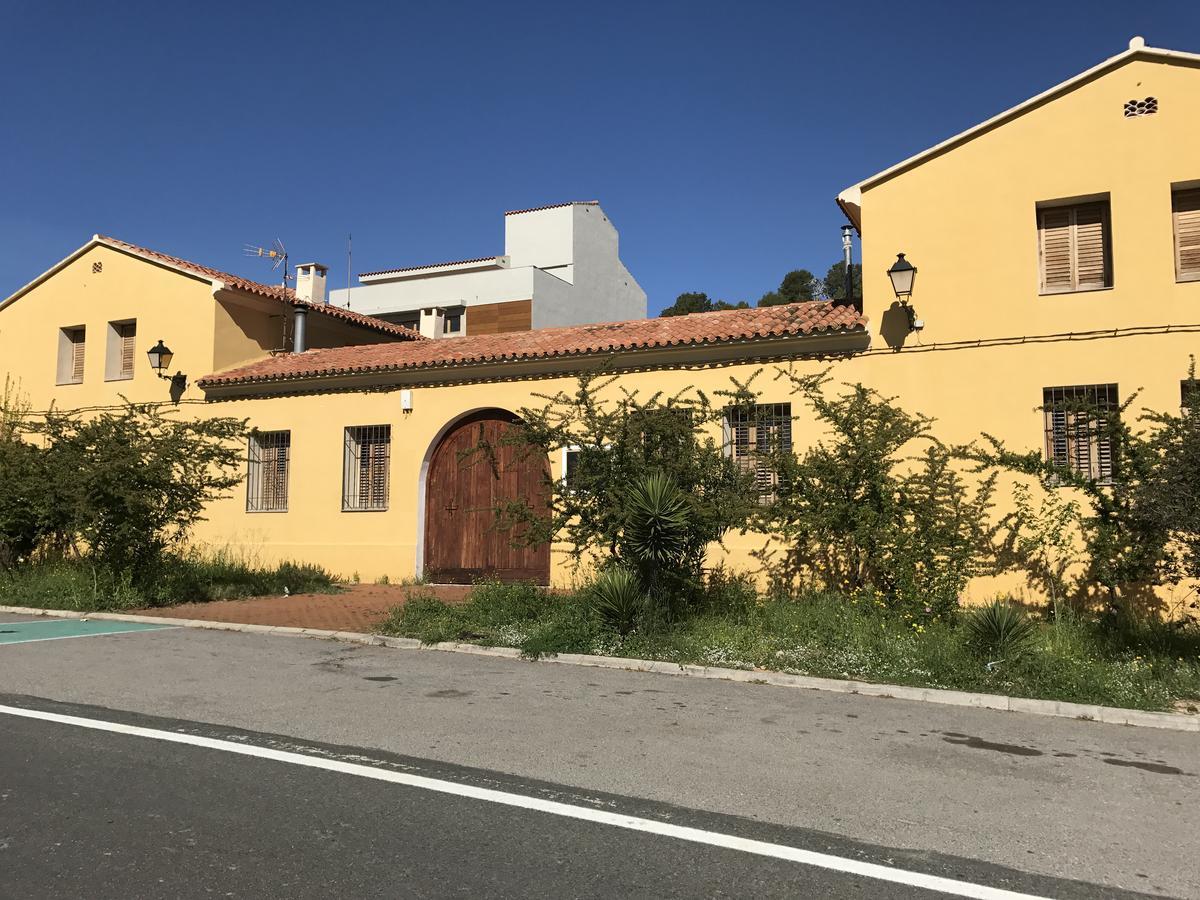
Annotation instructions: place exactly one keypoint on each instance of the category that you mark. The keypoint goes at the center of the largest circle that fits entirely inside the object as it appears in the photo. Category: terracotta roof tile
(273, 291)
(793, 320)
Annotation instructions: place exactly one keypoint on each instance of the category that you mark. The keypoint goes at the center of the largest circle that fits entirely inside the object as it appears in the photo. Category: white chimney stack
(433, 323)
(310, 282)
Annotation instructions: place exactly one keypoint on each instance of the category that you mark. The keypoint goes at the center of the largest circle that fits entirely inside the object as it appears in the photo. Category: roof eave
(815, 343)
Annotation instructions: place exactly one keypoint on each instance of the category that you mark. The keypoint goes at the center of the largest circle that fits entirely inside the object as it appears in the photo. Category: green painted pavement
(58, 629)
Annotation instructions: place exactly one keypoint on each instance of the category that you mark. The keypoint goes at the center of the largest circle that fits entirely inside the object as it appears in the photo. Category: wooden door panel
(463, 487)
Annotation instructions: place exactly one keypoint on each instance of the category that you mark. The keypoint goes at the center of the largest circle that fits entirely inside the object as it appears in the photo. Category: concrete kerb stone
(1106, 714)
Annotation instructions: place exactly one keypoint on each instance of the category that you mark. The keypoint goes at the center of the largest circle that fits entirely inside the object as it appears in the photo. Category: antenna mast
(277, 252)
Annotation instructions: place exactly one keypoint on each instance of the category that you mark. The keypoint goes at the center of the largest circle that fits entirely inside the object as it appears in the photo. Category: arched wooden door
(463, 488)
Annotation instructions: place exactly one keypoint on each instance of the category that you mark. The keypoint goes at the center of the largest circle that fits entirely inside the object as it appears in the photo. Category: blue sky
(715, 134)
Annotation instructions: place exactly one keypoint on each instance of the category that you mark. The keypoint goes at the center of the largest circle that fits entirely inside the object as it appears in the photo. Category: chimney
(848, 262)
(310, 282)
(433, 323)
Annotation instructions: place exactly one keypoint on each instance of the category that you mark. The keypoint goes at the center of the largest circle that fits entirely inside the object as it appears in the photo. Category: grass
(78, 585)
(1142, 666)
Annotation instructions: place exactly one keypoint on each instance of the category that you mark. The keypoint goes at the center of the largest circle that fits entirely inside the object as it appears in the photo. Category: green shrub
(878, 507)
(728, 593)
(426, 618)
(497, 602)
(86, 585)
(1000, 629)
(570, 625)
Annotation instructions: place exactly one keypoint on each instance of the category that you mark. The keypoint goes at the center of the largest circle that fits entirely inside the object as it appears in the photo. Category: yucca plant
(1000, 629)
(618, 597)
(656, 542)
(656, 531)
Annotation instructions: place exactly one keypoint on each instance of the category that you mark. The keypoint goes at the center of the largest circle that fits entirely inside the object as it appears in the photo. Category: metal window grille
(267, 471)
(365, 467)
(1076, 430)
(754, 434)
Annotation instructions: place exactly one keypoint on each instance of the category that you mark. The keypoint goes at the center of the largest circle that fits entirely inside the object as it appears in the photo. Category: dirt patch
(360, 607)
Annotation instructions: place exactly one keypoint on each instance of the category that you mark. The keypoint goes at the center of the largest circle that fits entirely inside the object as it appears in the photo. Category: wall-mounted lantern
(160, 356)
(903, 274)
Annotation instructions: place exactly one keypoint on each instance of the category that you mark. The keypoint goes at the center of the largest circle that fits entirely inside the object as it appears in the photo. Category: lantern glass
(902, 273)
(160, 357)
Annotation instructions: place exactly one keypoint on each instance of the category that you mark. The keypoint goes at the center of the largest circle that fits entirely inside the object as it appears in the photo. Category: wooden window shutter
(128, 332)
(1185, 217)
(1091, 250)
(1073, 248)
(1055, 238)
(77, 345)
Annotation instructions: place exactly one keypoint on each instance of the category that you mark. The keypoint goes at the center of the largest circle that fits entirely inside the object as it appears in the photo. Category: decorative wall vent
(1147, 107)
(97, 268)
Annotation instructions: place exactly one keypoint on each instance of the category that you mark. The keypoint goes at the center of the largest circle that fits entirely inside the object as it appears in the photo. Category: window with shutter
(120, 350)
(267, 473)
(1076, 428)
(1185, 218)
(1074, 248)
(367, 453)
(754, 434)
(71, 343)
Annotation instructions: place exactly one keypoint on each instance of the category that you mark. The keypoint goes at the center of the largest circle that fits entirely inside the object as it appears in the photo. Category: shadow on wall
(894, 326)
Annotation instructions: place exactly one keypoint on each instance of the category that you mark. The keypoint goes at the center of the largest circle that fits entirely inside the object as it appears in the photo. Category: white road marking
(552, 807)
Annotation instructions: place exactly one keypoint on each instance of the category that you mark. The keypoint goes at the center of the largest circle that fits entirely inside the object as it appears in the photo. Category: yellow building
(1058, 249)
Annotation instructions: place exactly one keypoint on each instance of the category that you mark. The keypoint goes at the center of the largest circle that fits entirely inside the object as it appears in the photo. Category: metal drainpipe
(299, 321)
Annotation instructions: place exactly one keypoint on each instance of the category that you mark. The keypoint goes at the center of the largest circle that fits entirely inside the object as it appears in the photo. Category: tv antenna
(276, 252)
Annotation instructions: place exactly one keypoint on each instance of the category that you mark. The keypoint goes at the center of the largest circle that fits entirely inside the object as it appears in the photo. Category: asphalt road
(1041, 806)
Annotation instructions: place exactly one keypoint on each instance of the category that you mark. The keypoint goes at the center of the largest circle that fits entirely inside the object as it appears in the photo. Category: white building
(560, 267)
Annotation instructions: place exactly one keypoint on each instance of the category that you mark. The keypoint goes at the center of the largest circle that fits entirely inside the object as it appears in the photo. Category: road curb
(1110, 715)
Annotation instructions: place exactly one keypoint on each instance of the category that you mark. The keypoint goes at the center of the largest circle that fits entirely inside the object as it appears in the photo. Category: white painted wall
(544, 238)
(566, 259)
(603, 289)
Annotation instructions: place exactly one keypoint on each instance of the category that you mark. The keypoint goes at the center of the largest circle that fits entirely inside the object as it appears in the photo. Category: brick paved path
(359, 608)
